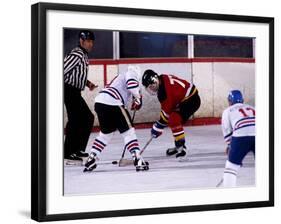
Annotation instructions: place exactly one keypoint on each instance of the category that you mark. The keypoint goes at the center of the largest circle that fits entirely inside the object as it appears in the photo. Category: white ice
(203, 168)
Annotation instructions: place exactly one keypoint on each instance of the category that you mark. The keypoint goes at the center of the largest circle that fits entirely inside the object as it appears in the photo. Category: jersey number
(246, 113)
(174, 79)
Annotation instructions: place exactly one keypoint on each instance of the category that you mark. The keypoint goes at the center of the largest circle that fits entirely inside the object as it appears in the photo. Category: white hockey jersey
(120, 90)
(238, 120)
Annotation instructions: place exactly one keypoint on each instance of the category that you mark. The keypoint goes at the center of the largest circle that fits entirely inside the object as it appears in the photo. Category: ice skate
(180, 152)
(140, 164)
(73, 160)
(171, 151)
(90, 165)
(82, 154)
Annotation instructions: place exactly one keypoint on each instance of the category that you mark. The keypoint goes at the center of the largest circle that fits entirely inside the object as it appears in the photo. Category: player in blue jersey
(238, 127)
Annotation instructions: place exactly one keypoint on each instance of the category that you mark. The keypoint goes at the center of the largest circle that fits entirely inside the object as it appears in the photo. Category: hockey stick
(125, 162)
(133, 118)
(148, 142)
(219, 183)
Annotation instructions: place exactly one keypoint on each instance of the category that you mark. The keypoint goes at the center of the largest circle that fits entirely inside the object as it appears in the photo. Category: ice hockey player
(238, 127)
(110, 106)
(179, 100)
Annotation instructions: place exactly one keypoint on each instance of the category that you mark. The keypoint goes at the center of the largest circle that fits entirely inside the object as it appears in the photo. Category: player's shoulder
(164, 78)
(238, 106)
(226, 111)
(248, 105)
(77, 51)
(130, 76)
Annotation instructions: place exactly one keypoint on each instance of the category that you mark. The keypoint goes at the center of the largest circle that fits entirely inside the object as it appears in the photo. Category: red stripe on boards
(168, 60)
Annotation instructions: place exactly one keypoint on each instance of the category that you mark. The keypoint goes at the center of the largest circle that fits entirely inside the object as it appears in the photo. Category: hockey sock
(179, 136)
(131, 142)
(100, 142)
(175, 123)
(230, 174)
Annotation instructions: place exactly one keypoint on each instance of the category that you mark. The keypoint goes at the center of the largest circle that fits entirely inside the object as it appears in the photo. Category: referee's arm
(70, 62)
(91, 85)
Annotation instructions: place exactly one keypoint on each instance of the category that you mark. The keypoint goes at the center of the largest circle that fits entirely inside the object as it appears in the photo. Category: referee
(80, 118)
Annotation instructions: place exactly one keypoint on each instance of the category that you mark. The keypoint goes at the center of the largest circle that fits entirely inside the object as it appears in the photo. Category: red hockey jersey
(172, 91)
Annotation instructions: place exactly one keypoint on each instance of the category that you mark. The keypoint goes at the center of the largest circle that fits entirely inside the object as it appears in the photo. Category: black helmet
(86, 35)
(149, 77)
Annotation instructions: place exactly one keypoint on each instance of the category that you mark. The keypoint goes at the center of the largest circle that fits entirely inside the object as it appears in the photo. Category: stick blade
(125, 162)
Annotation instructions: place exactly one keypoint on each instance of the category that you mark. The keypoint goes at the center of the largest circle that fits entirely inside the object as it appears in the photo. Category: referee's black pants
(80, 121)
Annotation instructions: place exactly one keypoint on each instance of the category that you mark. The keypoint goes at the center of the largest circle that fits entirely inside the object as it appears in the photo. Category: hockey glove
(137, 103)
(157, 129)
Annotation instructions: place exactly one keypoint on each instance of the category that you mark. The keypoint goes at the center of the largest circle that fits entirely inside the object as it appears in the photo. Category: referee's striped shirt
(75, 68)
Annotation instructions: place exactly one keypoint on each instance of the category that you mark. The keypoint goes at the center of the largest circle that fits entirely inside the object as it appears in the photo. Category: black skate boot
(90, 165)
(82, 154)
(73, 160)
(181, 152)
(178, 151)
(140, 164)
(171, 151)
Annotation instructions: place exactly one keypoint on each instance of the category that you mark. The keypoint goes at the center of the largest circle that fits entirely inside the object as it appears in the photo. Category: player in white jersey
(110, 106)
(238, 127)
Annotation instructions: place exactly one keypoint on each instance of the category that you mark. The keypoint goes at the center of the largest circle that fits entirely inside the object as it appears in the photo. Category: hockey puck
(115, 162)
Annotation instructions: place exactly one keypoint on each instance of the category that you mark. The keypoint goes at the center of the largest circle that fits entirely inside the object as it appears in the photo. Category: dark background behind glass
(103, 47)
(151, 45)
(147, 45)
(220, 46)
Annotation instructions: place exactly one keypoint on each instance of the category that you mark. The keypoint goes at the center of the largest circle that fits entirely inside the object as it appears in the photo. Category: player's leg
(230, 174)
(240, 147)
(253, 144)
(175, 123)
(189, 106)
(86, 124)
(106, 115)
(131, 143)
(98, 145)
(71, 143)
(177, 119)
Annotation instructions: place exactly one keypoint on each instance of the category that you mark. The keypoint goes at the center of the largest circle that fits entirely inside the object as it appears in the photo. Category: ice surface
(203, 168)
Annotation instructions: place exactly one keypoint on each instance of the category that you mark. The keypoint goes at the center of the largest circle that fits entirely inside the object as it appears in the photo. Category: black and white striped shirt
(75, 68)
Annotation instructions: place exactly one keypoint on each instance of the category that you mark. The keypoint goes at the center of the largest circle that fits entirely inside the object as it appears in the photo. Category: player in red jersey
(179, 100)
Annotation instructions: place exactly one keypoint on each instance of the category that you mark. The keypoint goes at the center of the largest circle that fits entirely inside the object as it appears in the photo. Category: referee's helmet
(86, 35)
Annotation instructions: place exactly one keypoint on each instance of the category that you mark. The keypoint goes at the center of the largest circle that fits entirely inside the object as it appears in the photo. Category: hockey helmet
(149, 77)
(86, 35)
(235, 96)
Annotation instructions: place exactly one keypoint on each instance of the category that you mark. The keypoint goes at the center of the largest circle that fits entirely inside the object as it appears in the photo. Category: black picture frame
(39, 114)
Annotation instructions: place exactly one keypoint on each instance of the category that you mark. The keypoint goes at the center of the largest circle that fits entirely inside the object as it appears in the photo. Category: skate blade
(89, 169)
(183, 159)
(171, 155)
(73, 163)
(145, 168)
